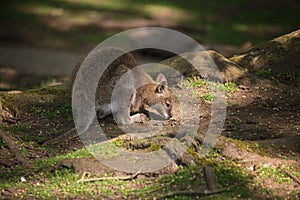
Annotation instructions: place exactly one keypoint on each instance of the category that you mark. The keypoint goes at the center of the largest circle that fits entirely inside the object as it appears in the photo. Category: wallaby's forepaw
(143, 117)
(140, 117)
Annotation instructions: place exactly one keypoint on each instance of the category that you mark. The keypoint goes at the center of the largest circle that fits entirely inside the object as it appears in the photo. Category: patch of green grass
(32, 138)
(264, 73)
(155, 147)
(291, 77)
(10, 177)
(2, 144)
(276, 174)
(228, 88)
(228, 173)
(23, 131)
(63, 111)
(192, 177)
(185, 178)
(40, 165)
(249, 146)
(209, 87)
(207, 96)
(46, 162)
(16, 128)
(196, 82)
(61, 90)
(62, 183)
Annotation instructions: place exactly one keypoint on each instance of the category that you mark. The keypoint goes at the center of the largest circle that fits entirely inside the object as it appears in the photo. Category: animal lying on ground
(129, 93)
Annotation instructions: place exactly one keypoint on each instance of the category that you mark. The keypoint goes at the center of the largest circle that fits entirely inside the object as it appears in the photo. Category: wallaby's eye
(168, 104)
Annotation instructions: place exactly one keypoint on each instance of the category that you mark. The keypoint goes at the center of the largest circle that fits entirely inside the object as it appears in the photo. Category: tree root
(10, 142)
(70, 134)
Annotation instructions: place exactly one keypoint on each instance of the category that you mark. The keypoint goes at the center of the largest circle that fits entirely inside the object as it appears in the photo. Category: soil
(267, 116)
(263, 114)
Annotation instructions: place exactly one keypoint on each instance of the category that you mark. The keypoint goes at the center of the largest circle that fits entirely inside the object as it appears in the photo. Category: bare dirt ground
(267, 117)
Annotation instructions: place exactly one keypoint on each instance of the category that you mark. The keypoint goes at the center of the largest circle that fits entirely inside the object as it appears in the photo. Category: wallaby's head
(157, 98)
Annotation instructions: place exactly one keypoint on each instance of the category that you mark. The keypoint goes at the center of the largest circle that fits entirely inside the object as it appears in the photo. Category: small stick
(83, 179)
(290, 174)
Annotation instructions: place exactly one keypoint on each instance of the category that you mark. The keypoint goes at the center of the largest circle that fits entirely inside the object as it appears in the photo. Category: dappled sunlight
(160, 12)
(62, 19)
(100, 3)
(227, 124)
(105, 15)
(259, 30)
(64, 23)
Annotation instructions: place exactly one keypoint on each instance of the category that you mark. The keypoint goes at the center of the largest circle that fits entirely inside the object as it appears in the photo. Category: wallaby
(128, 92)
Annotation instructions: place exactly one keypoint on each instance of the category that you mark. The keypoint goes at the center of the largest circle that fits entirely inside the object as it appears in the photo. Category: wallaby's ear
(163, 84)
(161, 87)
(160, 78)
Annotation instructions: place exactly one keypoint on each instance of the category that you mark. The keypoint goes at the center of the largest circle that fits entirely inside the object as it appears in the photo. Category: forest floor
(257, 155)
(259, 146)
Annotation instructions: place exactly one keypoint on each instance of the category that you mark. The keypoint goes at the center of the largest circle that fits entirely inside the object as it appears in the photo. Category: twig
(290, 174)
(83, 179)
(200, 193)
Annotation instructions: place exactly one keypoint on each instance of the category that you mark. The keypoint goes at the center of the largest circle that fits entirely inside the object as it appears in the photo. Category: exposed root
(10, 142)
(69, 135)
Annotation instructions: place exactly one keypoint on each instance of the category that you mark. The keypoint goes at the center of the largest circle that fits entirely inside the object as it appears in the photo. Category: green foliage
(230, 87)
(16, 128)
(209, 88)
(46, 162)
(184, 178)
(291, 77)
(265, 73)
(55, 90)
(276, 174)
(208, 97)
(31, 138)
(62, 182)
(227, 88)
(2, 144)
(23, 131)
(196, 82)
(218, 22)
(155, 147)
(63, 111)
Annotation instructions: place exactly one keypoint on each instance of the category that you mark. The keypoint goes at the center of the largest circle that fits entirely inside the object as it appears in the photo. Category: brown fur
(137, 93)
